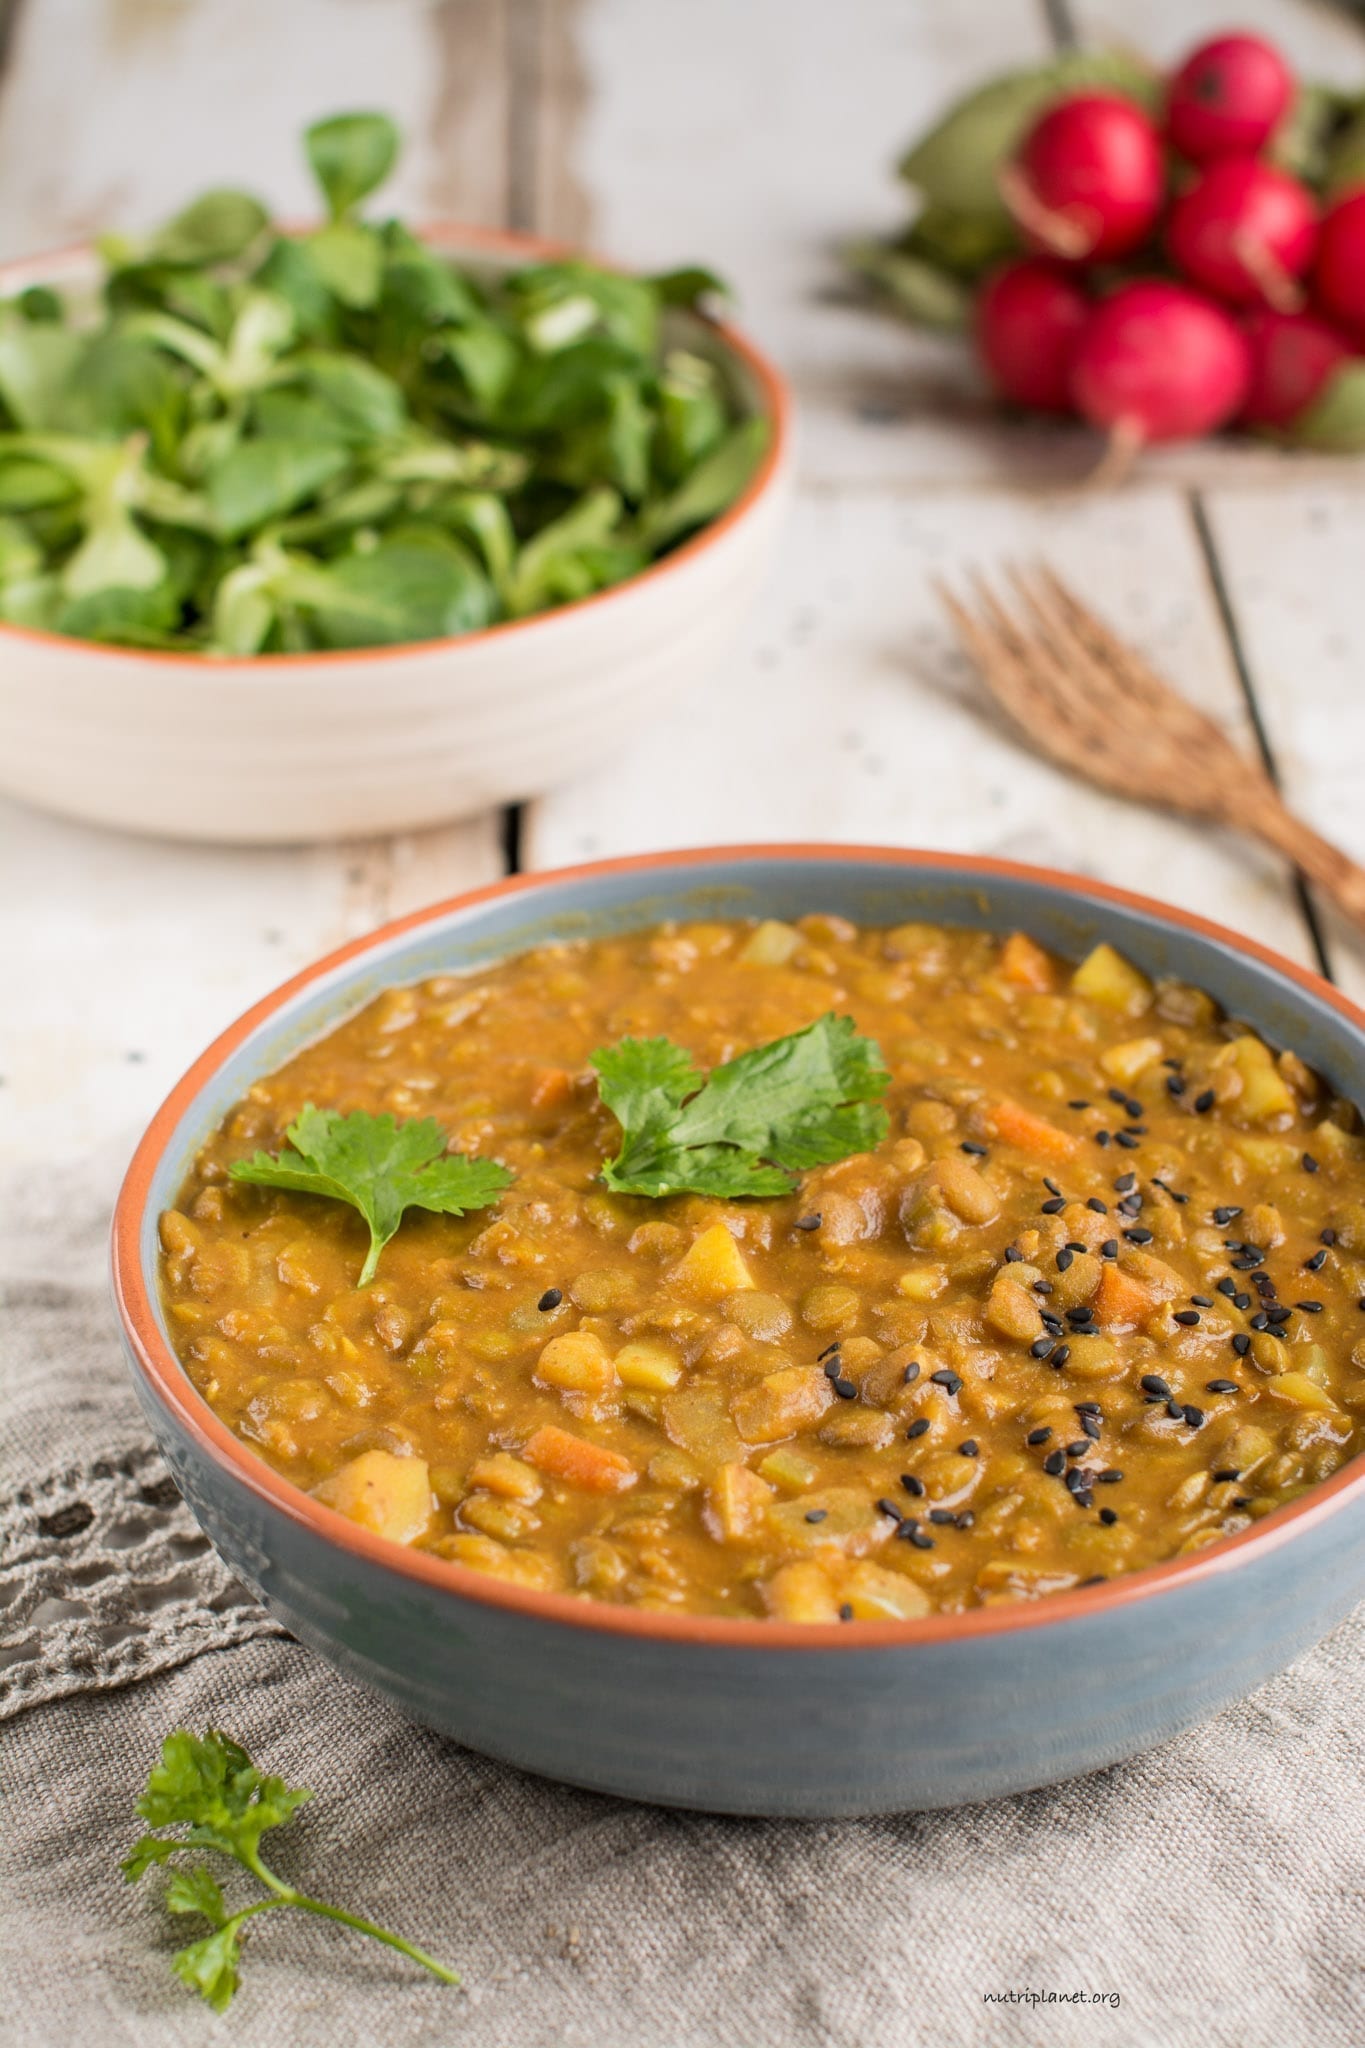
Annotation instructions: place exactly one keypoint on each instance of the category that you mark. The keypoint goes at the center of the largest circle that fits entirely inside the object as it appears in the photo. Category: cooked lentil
(702, 1405)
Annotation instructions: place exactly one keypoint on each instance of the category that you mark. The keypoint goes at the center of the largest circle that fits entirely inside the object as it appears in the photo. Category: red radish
(1292, 357)
(1028, 318)
(1245, 231)
(1339, 274)
(1228, 98)
(1087, 183)
(1158, 363)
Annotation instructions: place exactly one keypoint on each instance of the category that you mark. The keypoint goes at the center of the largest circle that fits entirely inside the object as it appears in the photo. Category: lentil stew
(1096, 1300)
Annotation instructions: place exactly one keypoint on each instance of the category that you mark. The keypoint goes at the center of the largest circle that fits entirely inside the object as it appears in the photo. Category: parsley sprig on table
(209, 1784)
(750, 1126)
(245, 442)
(379, 1166)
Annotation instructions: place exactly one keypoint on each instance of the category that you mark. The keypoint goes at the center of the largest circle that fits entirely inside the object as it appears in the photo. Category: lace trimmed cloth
(1206, 1895)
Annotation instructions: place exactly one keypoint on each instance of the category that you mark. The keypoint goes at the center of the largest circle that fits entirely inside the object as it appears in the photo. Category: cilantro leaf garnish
(750, 1126)
(209, 1785)
(378, 1166)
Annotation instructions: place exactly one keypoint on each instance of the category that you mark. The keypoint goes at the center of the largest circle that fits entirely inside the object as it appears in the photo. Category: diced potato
(713, 1266)
(876, 1593)
(1023, 961)
(1303, 1392)
(801, 1592)
(1079, 1282)
(654, 1367)
(1127, 1061)
(783, 1402)
(1265, 1094)
(788, 1468)
(1093, 1358)
(735, 1501)
(504, 1474)
(1011, 1310)
(1313, 1363)
(562, 1455)
(576, 1363)
(770, 944)
(922, 1283)
(845, 1519)
(382, 1492)
(1269, 1155)
(1106, 978)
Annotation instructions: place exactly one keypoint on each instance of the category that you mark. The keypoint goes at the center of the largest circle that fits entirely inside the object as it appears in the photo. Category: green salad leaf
(379, 1166)
(750, 1126)
(371, 443)
(209, 1785)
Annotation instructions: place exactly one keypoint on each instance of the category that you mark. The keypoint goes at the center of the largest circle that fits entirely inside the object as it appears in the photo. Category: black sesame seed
(830, 1350)
(1042, 1287)
(1055, 1206)
(1260, 1321)
(1051, 1186)
(1012, 1255)
(1108, 1517)
(1194, 1416)
(1101, 1137)
(1133, 1106)
(1227, 1285)
(845, 1389)
(808, 1222)
(1110, 1248)
(970, 1449)
(1242, 1500)
(1310, 1308)
(1174, 1085)
(1175, 1410)
(1127, 1140)
(1095, 1579)
(911, 1373)
(920, 1540)
(551, 1298)
(1100, 1208)
(1204, 1102)
(1054, 1463)
(913, 1484)
(1187, 1316)
(1060, 1356)
(834, 1368)
(1241, 1343)
(889, 1507)
(1202, 1300)
(1110, 1476)
(1088, 1408)
(917, 1427)
(1077, 1481)
(1281, 1314)
(1242, 1301)
(976, 1151)
(1316, 1263)
(1078, 1105)
(1222, 1474)
(1073, 1244)
(1152, 1383)
(944, 1517)
(816, 1514)
(1064, 1258)
(1309, 1163)
(1226, 1214)
(945, 1377)
(1125, 1184)
(1222, 1386)
(1041, 1347)
(966, 1519)
(846, 1612)
(1327, 1237)
(1079, 1448)
(1038, 1436)
(1051, 1322)
(1138, 1234)
(1263, 1284)
(1092, 1426)
(1360, 1303)
(1117, 1095)
(1079, 1317)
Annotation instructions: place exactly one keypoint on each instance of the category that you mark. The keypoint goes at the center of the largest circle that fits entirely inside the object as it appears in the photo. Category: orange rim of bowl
(176, 1393)
(776, 408)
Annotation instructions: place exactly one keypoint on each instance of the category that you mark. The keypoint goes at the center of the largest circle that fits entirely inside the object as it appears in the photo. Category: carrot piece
(1120, 1300)
(562, 1455)
(551, 1087)
(1015, 1125)
(1023, 960)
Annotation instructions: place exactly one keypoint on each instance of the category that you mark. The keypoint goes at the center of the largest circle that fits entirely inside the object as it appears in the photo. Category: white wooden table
(753, 135)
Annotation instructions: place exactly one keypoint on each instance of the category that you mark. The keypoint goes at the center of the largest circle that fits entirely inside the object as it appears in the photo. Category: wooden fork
(1089, 701)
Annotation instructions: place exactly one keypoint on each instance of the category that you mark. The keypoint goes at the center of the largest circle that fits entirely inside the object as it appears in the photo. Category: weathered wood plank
(1291, 563)
(844, 714)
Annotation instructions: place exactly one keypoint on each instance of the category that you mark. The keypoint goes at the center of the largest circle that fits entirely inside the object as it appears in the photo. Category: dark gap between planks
(1227, 617)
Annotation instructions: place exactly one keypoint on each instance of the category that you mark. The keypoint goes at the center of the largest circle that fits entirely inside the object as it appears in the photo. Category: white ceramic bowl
(316, 746)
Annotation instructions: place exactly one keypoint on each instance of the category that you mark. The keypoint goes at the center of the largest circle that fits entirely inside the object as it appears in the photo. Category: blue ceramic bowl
(752, 1716)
